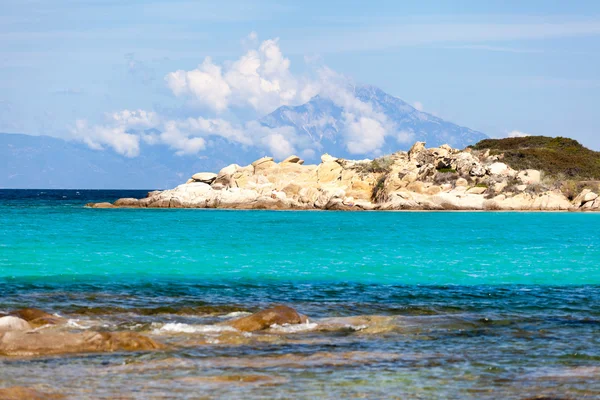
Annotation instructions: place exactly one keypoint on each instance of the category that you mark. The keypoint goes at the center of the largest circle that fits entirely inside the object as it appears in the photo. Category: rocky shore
(423, 178)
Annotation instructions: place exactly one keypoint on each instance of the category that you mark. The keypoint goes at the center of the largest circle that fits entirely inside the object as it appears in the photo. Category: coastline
(422, 179)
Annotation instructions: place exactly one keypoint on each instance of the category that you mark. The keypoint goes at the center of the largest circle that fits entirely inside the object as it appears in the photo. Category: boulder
(529, 176)
(100, 205)
(205, 177)
(22, 344)
(127, 202)
(462, 182)
(264, 319)
(37, 317)
(585, 196)
(293, 160)
(499, 168)
(11, 323)
(327, 158)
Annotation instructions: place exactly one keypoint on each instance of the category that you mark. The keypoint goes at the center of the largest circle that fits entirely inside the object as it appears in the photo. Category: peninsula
(531, 173)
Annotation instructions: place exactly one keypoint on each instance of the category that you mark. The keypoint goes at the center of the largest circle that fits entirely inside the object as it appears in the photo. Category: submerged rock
(24, 344)
(266, 318)
(37, 317)
(25, 393)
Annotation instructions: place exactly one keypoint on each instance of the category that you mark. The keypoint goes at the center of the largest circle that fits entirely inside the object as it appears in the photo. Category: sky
(93, 70)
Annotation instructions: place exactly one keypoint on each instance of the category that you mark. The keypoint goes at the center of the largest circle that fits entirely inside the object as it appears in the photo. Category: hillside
(559, 157)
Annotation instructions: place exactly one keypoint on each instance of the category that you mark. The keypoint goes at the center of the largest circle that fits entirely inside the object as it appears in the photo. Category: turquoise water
(477, 304)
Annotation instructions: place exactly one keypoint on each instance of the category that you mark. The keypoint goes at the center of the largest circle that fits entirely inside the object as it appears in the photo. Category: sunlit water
(405, 305)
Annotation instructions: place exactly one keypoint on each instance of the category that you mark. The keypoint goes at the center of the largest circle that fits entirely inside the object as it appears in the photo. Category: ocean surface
(423, 305)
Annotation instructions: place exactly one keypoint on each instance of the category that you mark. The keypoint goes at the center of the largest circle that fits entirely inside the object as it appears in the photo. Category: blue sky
(497, 67)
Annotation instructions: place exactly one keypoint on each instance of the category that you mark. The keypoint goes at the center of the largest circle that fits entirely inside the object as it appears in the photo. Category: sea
(406, 305)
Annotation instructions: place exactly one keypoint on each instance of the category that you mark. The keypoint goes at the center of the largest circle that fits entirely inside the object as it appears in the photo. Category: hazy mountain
(322, 120)
(45, 162)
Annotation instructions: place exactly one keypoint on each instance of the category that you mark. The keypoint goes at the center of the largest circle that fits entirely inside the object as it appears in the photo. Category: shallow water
(401, 305)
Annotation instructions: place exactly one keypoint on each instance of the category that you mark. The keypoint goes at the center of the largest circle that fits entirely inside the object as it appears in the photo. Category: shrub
(552, 156)
(378, 165)
(446, 170)
(378, 195)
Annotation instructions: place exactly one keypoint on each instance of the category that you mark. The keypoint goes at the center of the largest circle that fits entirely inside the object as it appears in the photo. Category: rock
(477, 170)
(37, 318)
(529, 177)
(266, 318)
(477, 190)
(416, 148)
(498, 168)
(327, 158)
(328, 171)
(24, 344)
(205, 177)
(127, 202)
(521, 188)
(293, 160)
(25, 393)
(589, 197)
(100, 205)
(462, 182)
(11, 323)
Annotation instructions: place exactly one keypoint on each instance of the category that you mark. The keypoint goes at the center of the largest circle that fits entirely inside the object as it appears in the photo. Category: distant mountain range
(47, 162)
(322, 120)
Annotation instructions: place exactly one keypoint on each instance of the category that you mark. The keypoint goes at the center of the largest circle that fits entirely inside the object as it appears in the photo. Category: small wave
(75, 323)
(235, 314)
(186, 328)
(287, 328)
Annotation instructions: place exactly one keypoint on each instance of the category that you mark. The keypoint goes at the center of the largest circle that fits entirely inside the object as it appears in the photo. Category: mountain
(322, 121)
(44, 162)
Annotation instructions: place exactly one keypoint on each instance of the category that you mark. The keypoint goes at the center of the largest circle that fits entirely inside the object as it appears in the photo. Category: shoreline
(422, 179)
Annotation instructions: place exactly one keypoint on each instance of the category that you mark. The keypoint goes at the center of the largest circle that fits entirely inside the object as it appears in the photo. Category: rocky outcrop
(11, 323)
(439, 178)
(25, 393)
(278, 315)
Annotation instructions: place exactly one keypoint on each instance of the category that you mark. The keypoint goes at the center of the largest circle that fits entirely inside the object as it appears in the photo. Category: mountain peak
(323, 121)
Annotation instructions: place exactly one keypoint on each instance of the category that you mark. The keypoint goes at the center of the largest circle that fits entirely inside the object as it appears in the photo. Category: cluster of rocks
(32, 332)
(439, 178)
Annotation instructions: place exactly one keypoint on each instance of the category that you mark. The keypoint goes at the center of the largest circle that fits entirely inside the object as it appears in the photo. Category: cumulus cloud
(260, 79)
(514, 134)
(418, 106)
(99, 136)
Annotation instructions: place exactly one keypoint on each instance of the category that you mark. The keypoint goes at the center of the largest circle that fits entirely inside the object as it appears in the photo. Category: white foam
(235, 314)
(75, 323)
(186, 328)
(294, 328)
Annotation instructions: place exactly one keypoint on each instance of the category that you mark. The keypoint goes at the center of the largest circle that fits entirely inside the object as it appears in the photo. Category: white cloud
(405, 137)
(514, 134)
(418, 106)
(364, 135)
(97, 137)
(260, 79)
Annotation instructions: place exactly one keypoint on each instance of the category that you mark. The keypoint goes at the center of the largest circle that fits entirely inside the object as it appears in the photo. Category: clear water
(431, 305)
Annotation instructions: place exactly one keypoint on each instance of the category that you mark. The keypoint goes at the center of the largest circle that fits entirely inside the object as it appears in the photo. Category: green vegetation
(378, 194)
(481, 185)
(557, 157)
(444, 170)
(378, 165)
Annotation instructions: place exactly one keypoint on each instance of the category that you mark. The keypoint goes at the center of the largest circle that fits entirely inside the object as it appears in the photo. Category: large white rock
(530, 176)
(13, 324)
(499, 168)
